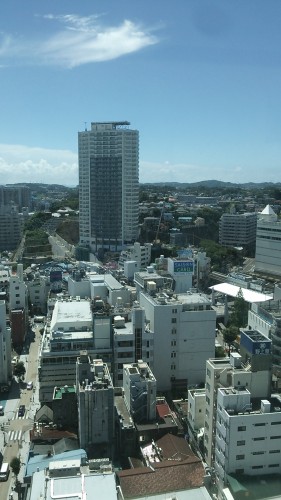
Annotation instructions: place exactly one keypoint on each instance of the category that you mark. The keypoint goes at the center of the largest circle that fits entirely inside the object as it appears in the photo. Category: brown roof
(163, 409)
(174, 447)
(163, 477)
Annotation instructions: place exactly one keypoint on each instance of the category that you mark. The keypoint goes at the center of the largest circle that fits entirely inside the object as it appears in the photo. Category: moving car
(21, 411)
(29, 385)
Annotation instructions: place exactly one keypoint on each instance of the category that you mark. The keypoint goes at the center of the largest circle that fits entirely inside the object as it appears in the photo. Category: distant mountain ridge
(206, 184)
(216, 184)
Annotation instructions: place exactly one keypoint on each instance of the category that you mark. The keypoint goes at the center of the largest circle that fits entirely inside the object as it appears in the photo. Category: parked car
(21, 411)
(1, 411)
(29, 385)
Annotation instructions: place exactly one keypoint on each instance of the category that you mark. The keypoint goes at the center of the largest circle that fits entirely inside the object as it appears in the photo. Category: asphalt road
(14, 426)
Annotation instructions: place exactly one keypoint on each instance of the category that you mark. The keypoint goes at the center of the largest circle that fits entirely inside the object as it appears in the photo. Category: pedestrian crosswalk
(14, 435)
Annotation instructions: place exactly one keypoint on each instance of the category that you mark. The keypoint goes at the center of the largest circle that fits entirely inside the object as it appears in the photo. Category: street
(14, 440)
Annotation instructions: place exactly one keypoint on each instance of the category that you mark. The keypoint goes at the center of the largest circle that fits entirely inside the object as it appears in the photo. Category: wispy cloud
(26, 164)
(78, 40)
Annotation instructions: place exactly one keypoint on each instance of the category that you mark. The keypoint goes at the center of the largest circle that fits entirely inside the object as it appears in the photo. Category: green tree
(19, 370)
(239, 316)
(219, 352)
(15, 465)
(229, 335)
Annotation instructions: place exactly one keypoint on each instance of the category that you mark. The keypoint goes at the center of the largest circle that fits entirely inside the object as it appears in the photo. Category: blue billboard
(183, 266)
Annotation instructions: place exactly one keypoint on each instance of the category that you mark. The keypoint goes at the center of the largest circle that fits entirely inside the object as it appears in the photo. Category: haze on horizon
(199, 80)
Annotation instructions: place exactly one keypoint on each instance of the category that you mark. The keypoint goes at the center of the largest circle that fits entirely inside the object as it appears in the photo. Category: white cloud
(26, 164)
(81, 40)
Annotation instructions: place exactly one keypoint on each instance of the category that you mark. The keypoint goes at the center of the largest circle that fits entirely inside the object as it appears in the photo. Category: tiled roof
(162, 478)
(163, 409)
(174, 447)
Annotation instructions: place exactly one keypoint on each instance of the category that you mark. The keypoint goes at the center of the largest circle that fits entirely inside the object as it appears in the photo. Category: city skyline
(200, 81)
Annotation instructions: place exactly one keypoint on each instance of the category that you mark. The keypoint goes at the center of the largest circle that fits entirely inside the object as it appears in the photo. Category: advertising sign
(183, 266)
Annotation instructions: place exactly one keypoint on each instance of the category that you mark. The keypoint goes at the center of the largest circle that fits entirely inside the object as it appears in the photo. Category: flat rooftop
(70, 312)
(250, 296)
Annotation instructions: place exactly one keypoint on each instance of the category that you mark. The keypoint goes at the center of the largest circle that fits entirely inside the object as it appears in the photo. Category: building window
(174, 311)
(259, 439)
(174, 320)
(259, 424)
(276, 423)
(274, 451)
(241, 428)
(173, 367)
(173, 354)
(241, 443)
(275, 437)
(258, 452)
(257, 467)
(273, 465)
(173, 343)
(240, 457)
(208, 372)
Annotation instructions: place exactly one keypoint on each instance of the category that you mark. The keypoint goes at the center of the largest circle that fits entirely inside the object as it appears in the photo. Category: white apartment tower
(108, 185)
(268, 243)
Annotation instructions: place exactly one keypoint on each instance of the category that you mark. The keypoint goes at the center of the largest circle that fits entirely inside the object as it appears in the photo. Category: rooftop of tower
(114, 124)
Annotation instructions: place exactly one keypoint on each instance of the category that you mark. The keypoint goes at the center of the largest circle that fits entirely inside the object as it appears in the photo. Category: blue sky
(200, 80)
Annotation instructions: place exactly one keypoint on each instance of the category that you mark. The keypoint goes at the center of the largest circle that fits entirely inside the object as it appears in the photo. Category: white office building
(248, 434)
(108, 185)
(70, 330)
(17, 290)
(268, 243)
(251, 370)
(140, 254)
(237, 230)
(183, 328)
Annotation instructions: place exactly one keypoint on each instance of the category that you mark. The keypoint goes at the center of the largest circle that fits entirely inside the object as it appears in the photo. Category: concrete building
(196, 412)
(132, 340)
(140, 391)
(268, 243)
(250, 370)
(17, 195)
(237, 230)
(10, 228)
(5, 348)
(141, 254)
(18, 306)
(108, 185)
(266, 319)
(38, 289)
(74, 479)
(248, 434)
(183, 327)
(95, 394)
(69, 331)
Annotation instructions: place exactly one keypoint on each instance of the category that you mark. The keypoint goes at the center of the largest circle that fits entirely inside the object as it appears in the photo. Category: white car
(29, 385)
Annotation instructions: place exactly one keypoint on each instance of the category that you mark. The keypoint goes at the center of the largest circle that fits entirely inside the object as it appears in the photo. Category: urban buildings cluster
(133, 399)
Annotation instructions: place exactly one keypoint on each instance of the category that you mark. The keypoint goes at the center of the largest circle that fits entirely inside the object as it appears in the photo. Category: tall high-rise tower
(108, 185)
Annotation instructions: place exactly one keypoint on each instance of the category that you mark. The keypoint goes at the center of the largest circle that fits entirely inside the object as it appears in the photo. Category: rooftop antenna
(85, 126)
